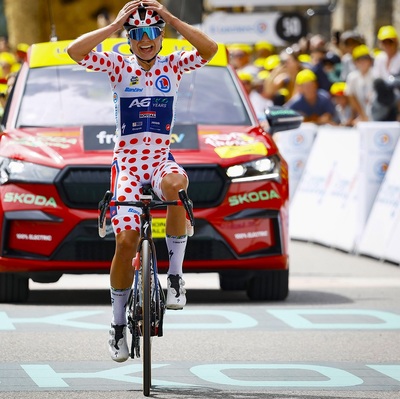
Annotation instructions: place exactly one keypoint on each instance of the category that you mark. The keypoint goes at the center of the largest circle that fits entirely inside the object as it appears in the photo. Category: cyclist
(144, 87)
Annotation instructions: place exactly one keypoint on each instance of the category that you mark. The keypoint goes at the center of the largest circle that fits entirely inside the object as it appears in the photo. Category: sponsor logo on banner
(382, 138)
(298, 139)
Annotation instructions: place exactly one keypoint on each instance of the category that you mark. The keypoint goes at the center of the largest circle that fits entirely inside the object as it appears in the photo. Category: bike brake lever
(103, 206)
(188, 204)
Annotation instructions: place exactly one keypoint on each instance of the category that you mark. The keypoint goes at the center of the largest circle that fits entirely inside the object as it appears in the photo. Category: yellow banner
(55, 53)
(237, 151)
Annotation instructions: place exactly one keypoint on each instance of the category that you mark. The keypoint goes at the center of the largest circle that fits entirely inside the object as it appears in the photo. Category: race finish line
(250, 376)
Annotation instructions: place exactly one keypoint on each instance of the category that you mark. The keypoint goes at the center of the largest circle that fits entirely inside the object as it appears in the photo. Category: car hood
(58, 147)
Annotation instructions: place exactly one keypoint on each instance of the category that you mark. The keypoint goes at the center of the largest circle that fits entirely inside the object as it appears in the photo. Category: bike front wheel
(146, 256)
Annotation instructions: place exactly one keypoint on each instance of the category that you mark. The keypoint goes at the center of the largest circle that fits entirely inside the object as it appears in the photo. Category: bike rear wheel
(146, 309)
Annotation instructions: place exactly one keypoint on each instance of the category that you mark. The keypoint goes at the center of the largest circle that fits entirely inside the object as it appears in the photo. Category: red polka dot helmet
(143, 17)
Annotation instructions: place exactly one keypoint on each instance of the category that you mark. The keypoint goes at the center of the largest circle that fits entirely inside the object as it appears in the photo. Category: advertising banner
(381, 235)
(243, 28)
(324, 206)
(378, 142)
(295, 146)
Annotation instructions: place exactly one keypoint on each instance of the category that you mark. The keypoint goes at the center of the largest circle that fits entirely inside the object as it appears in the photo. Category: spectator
(318, 55)
(387, 62)
(284, 76)
(254, 88)
(332, 66)
(3, 97)
(385, 104)
(344, 112)
(262, 50)
(272, 62)
(247, 80)
(313, 103)
(317, 42)
(7, 64)
(240, 56)
(21, 52)
(4, 45)
(349, 40)
(359, 83)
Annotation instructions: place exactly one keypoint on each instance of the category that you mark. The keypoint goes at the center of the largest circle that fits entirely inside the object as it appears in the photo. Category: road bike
(146, 305)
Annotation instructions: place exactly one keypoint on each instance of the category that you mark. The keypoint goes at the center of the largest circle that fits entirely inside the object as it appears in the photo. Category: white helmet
(143, 17)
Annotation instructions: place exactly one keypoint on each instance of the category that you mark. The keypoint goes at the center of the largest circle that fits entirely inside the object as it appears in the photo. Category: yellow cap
(7, 58)
(23, 47)
(338, 88)
(305, 76)
(284, 92)
(246, 48)
(361, 51)
(272, 62)
(259, 62)
(3, 88)
(387, 32)
(264, 46)
(245, 76)
(305, 58)
(262, 75)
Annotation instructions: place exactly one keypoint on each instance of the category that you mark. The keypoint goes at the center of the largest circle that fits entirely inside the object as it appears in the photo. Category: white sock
(119, 299)
(176, 252)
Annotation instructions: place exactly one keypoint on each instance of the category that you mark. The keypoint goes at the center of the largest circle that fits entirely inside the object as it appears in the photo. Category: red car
(55, 154)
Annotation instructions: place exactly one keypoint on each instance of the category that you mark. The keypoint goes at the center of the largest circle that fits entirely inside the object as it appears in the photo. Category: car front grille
(83, 187)
(84, 244)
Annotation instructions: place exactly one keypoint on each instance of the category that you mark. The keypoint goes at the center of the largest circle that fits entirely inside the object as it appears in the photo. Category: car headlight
(268, 168)
(13, 170)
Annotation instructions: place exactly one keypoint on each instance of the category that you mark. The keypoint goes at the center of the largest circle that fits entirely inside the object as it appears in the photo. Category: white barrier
(339, 183)
(378, 142)
(325, 194)
(295, 146)
(382, 232)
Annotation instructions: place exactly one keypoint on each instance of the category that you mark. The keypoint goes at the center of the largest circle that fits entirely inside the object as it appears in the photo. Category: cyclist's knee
(172, 183)
(126, 243)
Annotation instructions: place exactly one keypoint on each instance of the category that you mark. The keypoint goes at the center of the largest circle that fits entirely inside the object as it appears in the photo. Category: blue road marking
(334, 377)
(297, 318)
(392, 371)
(230, 320)
(45, 377)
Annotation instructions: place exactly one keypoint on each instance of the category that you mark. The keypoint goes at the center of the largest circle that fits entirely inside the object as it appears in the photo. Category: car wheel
(232, 281)
(270, 285)
(13, 288)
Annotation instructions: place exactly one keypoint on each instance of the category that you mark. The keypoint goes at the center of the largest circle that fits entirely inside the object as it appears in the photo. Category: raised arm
(203, 43)
(82, 46)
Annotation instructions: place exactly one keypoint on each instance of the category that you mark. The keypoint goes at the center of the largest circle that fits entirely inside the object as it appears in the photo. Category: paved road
(336, 336)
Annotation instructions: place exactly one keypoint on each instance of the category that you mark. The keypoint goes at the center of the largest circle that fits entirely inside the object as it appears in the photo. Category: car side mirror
(280, 118)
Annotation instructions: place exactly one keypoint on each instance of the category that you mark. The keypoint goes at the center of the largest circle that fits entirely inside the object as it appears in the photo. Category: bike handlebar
(107, 201)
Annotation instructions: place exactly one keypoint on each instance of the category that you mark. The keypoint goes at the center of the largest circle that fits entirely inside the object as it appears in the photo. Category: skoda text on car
(55, 154)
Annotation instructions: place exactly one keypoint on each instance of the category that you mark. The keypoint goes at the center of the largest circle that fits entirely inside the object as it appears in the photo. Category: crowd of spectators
(10, 62)
(337, 82)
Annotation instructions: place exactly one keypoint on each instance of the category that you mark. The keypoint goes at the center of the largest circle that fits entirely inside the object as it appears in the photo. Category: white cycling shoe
(117, 343)
(176, 294)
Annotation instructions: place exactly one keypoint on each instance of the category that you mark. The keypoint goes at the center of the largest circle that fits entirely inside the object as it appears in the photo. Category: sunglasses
(151, 31)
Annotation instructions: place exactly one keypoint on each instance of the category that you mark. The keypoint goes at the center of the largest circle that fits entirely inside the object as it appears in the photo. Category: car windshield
(73, 96)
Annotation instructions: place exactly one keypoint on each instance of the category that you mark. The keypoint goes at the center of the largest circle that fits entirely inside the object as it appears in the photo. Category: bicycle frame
(147, 302)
